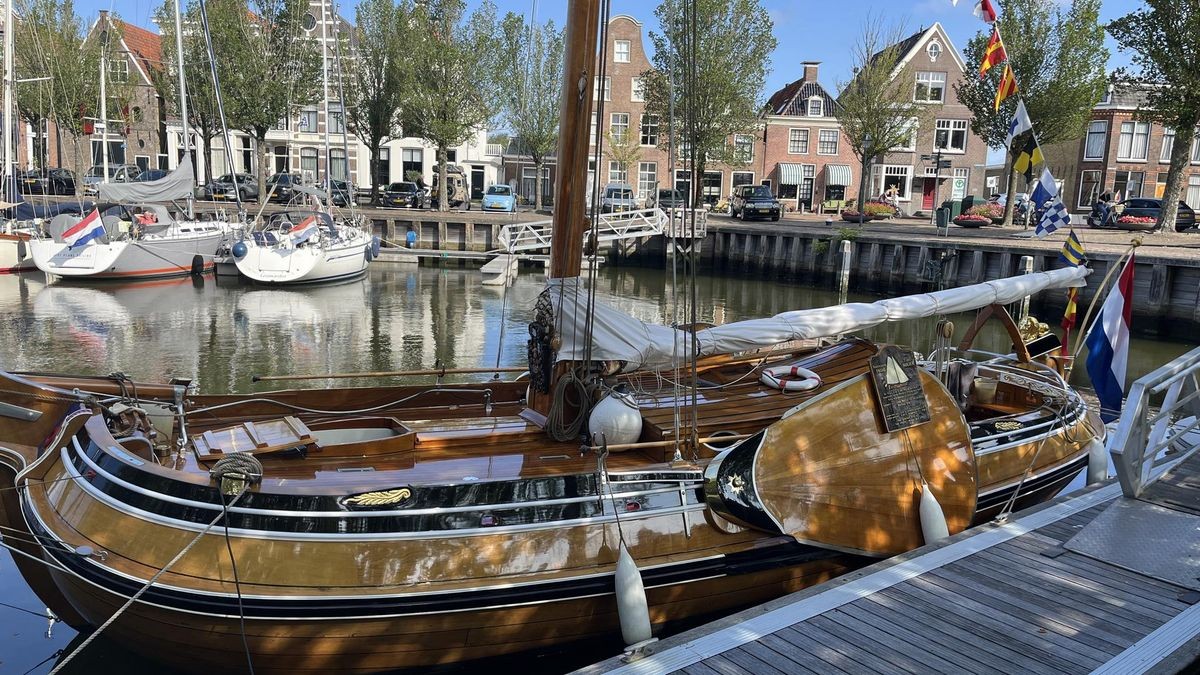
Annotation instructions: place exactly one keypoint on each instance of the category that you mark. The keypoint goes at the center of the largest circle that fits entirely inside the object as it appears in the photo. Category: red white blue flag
(1108, 346)
(984, 9)
(306, 229)
(91, 227)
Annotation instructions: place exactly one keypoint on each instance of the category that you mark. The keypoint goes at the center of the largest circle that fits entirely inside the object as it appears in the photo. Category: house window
(740, 178)
(1097, 137)
(931, 87)
(711, 187)
(649, 130)
(816, 107)
(827, 142)
(308, 163)
(1135, 137)
(383, 172)
(118, 70)
(412, 161)
(281, 159)
(637, 90)
(1196, 149)
(308, 121)
(743, 148)
(888, 175)
(1193, 191)
(617, 172)
(1161, 186)
(621, 51)
(337, 121)
(797, 141)
(592, 133)
(281, 125)
(1168, 145)
(647, 179)
(909, 144)
(1089, 188)
(1128, 184)
(529, 183)
(602, 91)
(950, 136)
(451, 155)
(934, 50)
(683, 183)
(619, 127)
(961, 178)
(337, 164)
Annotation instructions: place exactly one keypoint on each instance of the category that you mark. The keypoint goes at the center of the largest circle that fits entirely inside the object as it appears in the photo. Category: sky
(816, 30)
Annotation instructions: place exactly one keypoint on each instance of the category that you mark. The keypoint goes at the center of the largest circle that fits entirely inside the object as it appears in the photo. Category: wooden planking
(822, 659)
(861, 615)
(812, 637)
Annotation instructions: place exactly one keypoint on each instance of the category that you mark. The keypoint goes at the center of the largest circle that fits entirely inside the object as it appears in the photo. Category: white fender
(632, 607)
(798, 378)
(933, 521)
(1097, 469)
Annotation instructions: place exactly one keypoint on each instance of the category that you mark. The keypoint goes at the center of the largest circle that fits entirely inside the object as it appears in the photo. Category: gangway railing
(1149, 441)
(531, 236)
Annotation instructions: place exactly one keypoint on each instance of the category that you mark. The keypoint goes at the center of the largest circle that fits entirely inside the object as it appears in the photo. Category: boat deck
(1093, 582)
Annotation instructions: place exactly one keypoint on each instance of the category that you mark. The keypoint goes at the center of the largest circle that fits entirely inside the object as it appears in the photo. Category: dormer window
(934, 50)
(816, 107)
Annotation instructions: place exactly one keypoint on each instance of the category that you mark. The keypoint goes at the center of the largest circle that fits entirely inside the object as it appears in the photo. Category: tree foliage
(449, 92)
(1058, 56)
(278, 71)
(876, 107)
(1163, 39)
(530, 63)
(224, 19)
(375, 77)
(710, 60)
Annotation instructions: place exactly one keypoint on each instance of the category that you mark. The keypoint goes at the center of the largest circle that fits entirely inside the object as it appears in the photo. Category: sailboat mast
(183, 109)
(575, 115)
(325, 95)
(104, 104)
(9, 38)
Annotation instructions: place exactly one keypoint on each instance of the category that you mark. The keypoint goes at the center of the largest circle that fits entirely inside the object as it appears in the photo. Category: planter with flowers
(851, 214)
(993, 212)
(1137, 222)
(972, 220)
(879, 210)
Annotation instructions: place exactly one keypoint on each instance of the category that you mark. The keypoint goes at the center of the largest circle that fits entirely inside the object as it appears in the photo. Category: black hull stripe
(1062, 474)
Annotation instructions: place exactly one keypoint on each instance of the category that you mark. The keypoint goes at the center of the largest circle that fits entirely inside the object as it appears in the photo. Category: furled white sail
(640, 345)
(176, 185)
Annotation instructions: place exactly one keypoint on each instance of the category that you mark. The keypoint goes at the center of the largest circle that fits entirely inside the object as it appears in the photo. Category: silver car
(117, 173)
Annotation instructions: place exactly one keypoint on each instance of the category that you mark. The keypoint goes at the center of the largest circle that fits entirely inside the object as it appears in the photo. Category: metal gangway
(524, 238)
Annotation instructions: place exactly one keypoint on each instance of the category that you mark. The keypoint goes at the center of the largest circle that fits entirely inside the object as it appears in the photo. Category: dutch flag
(1108, 346)
(306, 229)
(91, 227)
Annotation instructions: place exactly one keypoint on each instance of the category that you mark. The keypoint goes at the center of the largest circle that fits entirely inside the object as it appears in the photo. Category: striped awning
(838, 174)
(791, 174)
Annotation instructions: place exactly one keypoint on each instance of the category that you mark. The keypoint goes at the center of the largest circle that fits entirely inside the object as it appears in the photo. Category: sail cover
(640, 345)
(176, 185)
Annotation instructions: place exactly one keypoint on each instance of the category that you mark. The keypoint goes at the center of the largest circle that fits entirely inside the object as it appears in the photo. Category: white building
(297, 144)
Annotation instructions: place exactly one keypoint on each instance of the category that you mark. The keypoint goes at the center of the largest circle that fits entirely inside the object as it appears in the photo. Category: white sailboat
(14, 255)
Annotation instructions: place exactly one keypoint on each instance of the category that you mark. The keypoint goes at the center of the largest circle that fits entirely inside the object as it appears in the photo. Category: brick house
(1121, 155)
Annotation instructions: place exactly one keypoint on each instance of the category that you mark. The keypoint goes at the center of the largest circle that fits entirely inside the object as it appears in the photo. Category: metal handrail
(1146, 444)
(530, 236)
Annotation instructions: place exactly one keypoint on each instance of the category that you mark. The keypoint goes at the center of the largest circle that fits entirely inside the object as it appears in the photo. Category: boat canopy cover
(176, 185)
(19, 209)
(641, 345)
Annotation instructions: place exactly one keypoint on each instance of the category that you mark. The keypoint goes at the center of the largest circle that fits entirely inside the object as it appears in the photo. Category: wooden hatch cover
(258, 438)
(831, 475)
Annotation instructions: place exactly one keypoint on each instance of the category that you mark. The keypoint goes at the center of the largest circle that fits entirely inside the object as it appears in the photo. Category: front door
(928, 193)
(476, 182)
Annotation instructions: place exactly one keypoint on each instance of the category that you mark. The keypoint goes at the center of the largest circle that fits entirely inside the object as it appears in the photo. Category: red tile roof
(145, 45)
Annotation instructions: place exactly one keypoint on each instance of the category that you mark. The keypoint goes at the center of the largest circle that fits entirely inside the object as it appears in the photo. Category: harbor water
(222, 333)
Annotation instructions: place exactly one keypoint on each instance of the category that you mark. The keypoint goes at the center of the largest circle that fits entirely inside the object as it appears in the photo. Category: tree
(1163, 39)
(278, 69)
(1058, 58)
(715, 80)
(531, 63)
(375, 79)
(876, 107)
(449, 93)
(51, 43)
(224, 20)
(624, 149)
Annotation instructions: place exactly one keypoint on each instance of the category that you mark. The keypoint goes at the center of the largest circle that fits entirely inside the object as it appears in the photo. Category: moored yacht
(304, 247)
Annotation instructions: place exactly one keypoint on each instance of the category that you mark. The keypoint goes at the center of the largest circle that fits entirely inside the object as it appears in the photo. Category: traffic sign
(944, 164)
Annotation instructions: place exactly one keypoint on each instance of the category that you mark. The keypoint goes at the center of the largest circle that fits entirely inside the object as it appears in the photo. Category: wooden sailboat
(368, 529)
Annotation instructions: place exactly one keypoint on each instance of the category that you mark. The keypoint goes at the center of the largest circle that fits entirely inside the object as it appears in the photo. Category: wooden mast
(574, 141)
(570, 208)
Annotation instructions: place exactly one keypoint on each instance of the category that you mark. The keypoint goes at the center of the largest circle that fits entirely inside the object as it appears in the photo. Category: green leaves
(529, 77)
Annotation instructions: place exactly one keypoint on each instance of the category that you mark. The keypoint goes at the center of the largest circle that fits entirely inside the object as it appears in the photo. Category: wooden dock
(1105, 580)
(995, 599)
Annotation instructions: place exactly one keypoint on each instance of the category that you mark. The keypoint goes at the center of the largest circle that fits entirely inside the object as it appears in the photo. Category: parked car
(754, 201)
(1142, 208)
(46, 182)
(343, 193)
(458, 190)
(151, 174)
(117, 173)
(403, 194)
(499, 198)
(667, 198)
(280, 187)
(617, 197)
(222, 188)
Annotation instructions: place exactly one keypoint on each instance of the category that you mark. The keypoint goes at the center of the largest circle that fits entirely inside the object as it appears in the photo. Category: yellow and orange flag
(993, 55)
(1008, 86)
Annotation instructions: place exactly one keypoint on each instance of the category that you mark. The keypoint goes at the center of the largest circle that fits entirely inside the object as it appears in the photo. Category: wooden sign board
(898, 389)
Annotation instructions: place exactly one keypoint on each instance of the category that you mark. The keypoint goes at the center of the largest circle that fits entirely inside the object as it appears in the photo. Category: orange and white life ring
(790, 378)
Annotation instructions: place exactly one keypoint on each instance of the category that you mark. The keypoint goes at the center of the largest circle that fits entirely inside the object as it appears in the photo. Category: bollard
(1026, 268)
(844, 273)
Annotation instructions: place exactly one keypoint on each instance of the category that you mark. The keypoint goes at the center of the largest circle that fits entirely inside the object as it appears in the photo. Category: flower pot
(856, 218)
(971, 222)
